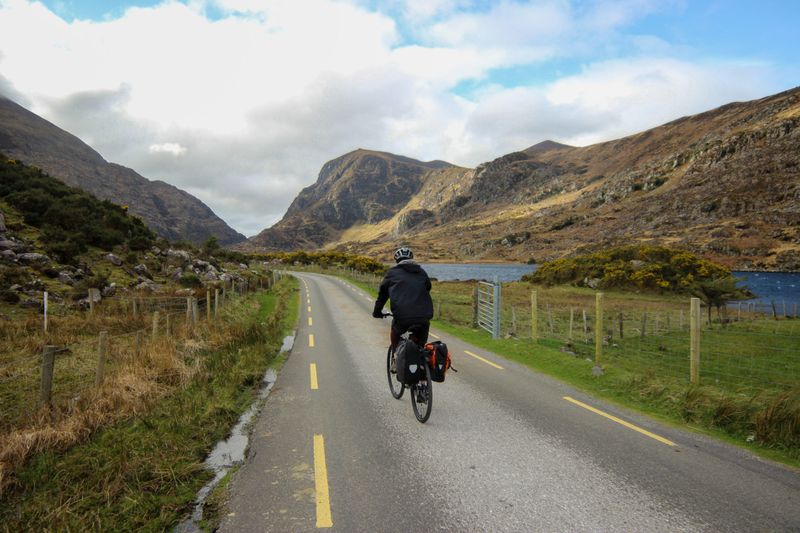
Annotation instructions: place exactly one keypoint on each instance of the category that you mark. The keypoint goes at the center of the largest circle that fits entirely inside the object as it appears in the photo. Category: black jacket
(408, 288)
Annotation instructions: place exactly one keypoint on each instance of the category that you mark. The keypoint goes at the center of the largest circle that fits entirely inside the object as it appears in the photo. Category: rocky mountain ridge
(362, 187)
(724, 184)
(171, 212)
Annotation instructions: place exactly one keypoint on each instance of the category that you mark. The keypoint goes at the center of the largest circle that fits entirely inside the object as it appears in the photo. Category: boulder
(114, 260)
(65, 278)
(31, 303)
(109, 290)
(142, 270)
(8, 255)
(6, 244)
(176, 275)
(181, 254)
(211, 276)
(147, 285)
(33, 259)
(202, 265)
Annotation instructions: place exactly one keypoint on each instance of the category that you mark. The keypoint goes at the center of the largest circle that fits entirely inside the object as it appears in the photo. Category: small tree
(211, 246)
(718, 292)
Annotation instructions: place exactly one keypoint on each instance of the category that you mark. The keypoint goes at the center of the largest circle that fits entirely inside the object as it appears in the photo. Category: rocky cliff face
(360, 188)
(725, 184)
(167, 210)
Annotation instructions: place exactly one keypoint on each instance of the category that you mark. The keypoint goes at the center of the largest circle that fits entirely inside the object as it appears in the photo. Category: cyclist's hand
(377, 314)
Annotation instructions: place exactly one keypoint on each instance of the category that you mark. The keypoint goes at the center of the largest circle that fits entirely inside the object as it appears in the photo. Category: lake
(779, 287)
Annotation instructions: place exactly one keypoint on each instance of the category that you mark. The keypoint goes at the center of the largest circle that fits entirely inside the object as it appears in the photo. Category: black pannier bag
(409, 357)
(439, 357)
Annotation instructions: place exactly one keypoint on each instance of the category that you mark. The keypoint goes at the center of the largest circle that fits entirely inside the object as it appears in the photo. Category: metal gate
(489, 307)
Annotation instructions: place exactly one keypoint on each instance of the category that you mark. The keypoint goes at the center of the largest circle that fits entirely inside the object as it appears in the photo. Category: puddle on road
(230, 452)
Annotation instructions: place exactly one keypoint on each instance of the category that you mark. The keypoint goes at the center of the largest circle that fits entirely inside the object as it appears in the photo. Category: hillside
(724, 184)
(360, 188)
(170, 212)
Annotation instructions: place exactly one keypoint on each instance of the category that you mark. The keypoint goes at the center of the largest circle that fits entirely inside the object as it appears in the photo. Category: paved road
(505, 449)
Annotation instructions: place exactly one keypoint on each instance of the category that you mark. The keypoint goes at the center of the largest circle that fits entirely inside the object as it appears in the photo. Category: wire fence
(80, 350)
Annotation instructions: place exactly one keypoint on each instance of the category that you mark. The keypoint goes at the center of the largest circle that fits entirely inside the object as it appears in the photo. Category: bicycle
(421, 392)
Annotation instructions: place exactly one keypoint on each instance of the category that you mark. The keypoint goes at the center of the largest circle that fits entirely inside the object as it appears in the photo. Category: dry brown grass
(134, 380)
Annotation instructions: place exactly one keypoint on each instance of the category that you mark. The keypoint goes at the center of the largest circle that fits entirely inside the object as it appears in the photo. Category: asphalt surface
(506, 449)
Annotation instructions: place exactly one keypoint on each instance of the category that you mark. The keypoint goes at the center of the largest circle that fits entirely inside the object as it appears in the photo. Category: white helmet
(403, 253)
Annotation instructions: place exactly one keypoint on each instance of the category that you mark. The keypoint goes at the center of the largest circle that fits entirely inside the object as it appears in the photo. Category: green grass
(143, 474)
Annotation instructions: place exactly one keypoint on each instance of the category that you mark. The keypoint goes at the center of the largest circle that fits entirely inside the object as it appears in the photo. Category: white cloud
(242, 110)
(168, 148)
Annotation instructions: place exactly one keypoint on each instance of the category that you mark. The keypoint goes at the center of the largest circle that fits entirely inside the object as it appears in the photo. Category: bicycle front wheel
(422, 396)
(395, 386)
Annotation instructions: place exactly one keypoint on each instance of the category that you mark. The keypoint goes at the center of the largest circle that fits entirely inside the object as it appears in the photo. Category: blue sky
(282, 86)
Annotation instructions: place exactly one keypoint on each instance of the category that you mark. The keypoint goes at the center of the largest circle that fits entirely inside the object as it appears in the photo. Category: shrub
(649, 268)
(71, 220)
(190, 280)
(9, 297)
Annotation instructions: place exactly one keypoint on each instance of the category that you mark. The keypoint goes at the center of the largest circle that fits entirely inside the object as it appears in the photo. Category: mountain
(724, 184)
(362, 188)
(170, 212)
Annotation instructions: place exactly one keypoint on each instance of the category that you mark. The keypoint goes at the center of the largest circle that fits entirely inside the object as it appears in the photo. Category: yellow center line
(309, 308)
(311, 340)
(434, 335)
(620, 421)
(479, 358)
(309, 321)
(314, 382)
(321, 482)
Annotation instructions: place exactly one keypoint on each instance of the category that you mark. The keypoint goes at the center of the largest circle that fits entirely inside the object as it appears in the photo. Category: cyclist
(407, 287)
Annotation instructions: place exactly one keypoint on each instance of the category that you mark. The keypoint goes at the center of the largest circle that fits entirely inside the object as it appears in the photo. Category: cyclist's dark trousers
(418, 327)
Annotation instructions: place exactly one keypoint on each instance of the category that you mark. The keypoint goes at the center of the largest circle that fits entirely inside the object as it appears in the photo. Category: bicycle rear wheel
(422, 396)
(395, 386)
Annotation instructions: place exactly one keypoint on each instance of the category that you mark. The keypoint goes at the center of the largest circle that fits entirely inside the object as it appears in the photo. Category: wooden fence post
(102, 353)
(571, 323)
(135, 310)
(188, 309)
(44, 303)
(621, 327)
(155, 325)
(195, 311)
(644, 324)
(208, 305)
(48, 363)
(166, 325)
(513, 321)
(138, 347)
(598, 328)
(585, 328)
(216, 302)
(534, 317)
(694, 344)
(475, 306)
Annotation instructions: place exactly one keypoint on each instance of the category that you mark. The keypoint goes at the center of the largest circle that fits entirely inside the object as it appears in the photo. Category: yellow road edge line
(310, 340)
(313, 371)
(321, 482)
(479, 358)
(434, 335)
(309, 321)
(622, 422)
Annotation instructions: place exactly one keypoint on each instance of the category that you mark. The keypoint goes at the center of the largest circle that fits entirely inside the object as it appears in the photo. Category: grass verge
(142, 474)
